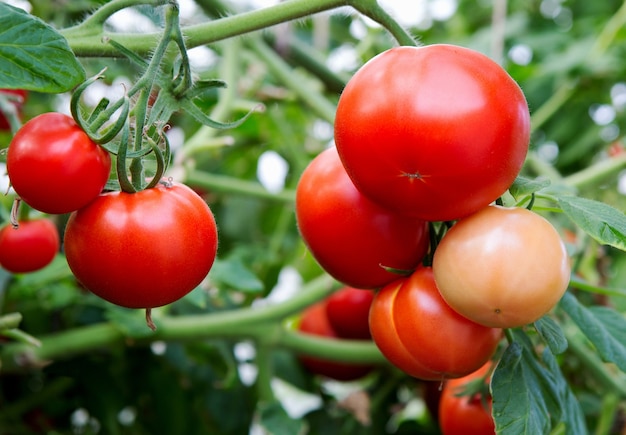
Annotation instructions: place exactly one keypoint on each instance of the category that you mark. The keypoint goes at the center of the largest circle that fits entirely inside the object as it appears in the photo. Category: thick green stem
(372, 9)
(597, 172)
(86, 42)
(226, 184)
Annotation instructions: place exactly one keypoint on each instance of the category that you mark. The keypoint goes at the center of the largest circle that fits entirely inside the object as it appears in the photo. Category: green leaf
(604, 327)
(552, 334)
(234, 273)
(525, 186)
(275, 420)
(34, 55)
(604, 223)
(530, 397)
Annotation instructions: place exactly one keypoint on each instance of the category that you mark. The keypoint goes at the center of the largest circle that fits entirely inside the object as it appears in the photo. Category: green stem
(10, 320)
(596, 172)
(87, 43)
(372, 9)
(609, 409)
(265, 373)
(233, 185)
(259, 323)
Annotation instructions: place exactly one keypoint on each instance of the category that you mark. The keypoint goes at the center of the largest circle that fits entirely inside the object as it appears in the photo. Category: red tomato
(348, 311)
(30, 247)
(144, 249)
(466, 415)
(435, 132)
(4, 122)
(502, 267)
(419, 333)
(352, 238)
(54, 166)
(314, 321)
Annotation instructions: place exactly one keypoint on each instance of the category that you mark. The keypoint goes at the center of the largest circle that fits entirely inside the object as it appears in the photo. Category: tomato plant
(54, 166)
(29, 247)
(21, 95)
(419, 333)
(435, 132)
(348, 311)
(463, 412)
(130, 248)
(314, 320)
(354, 240)
(483, 264)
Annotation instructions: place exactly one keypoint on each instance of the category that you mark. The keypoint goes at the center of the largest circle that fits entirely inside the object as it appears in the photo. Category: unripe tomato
(436, 132)
(466, 414)
(356, 241)
(419, 333)
(54, 166)
(314, 320)
(30, 247)
(502, 267)
(144, 249)
(348, 311)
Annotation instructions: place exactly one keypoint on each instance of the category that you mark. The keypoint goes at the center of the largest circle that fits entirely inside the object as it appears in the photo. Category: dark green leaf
(519, 406)
(604, 223)
(551, 333)
(276, 421)
(604, 327)
(34, 55)
(525, 186)
(233, 272)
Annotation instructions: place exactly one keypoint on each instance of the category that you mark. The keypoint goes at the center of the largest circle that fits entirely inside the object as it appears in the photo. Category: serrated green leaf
(604, 223)
(552, 334)
(234, 273)
(34, 55)
(525, 186)
(604, 327)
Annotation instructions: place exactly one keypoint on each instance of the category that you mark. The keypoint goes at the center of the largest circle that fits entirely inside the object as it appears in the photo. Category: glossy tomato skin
(30, 247)
(144, 249)
(502, 267)
(465, 415)
(54, 166)
(352, 238)
(348, 312)
(419, 333)
(21, 93)
(314, 321)
(436, 132)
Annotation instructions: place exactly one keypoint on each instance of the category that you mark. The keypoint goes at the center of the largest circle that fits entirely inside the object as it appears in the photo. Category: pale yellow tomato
(502, 267)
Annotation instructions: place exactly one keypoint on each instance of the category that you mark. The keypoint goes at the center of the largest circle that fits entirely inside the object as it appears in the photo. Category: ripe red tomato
(436, 132)
(54, 166)
(144, 249)
(348, 311)
(466, 415)
(30, 247)
(4, 122)
(315, 321)
(419, 333)
(352, 238)
(502, 267)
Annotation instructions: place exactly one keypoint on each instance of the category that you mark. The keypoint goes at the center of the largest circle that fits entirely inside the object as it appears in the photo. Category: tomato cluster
(343, 315)
(136, 250)
(431, 137)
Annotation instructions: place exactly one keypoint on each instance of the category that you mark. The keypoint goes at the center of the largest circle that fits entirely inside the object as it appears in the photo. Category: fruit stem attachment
(149, 320)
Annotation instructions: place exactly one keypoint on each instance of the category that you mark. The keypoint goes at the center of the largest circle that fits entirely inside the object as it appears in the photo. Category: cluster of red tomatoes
(427, 139)
(136, 250)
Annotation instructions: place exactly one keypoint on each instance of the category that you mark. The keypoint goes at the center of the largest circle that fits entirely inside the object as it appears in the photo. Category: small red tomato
(4, 122)
(348, 311)
(418, 332)
(29, 247)
(144, 249)
(466, 414)
(356, 241)
(315, 321)
(54, 166)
